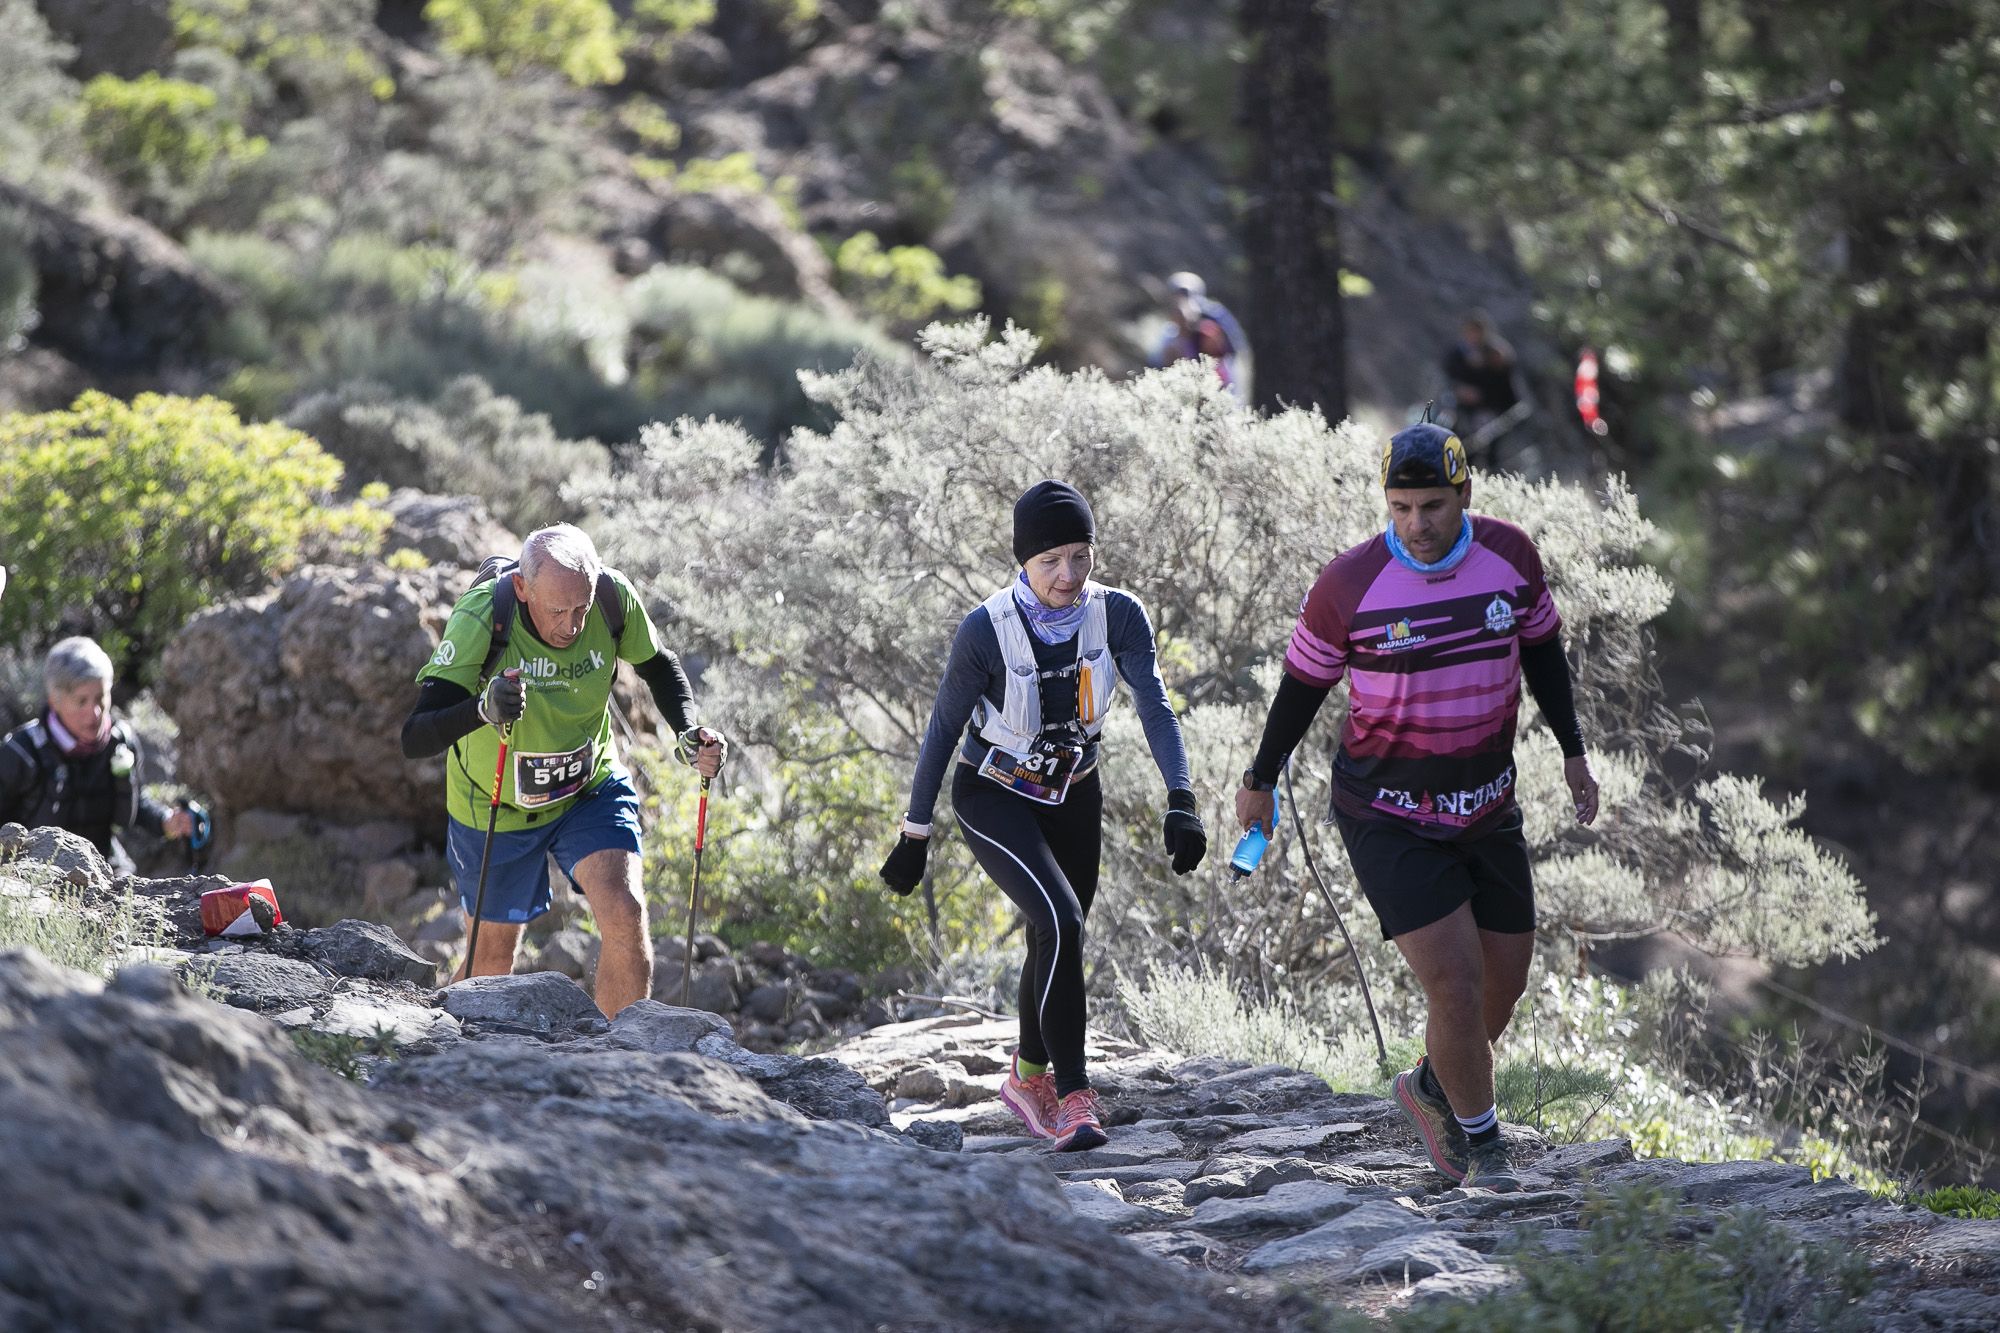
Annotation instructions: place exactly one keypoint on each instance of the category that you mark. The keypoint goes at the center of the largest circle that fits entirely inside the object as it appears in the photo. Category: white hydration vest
(1017, 724)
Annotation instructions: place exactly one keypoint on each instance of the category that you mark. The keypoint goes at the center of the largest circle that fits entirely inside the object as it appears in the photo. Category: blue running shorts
(517, 878)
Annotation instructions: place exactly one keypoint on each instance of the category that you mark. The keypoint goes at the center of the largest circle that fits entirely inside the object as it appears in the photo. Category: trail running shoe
(1077, 1128)
(1487, 1168)
(1443, 1139)
(1032, 1099)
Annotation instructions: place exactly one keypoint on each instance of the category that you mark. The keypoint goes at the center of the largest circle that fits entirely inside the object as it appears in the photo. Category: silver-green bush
(832, 586)
(468, 440)
(37, 100)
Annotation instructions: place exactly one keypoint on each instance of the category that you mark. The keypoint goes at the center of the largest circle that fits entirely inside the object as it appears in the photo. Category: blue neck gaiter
(1451, 558)
(1050, 624)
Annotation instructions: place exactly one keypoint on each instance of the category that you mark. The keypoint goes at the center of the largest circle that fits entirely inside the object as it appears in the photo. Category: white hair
(565, 546)
(73, 662)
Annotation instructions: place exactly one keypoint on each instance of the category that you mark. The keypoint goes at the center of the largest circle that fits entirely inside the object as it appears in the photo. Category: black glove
(1181, 830)
(688, 745)
(505, 699)
(904, 869)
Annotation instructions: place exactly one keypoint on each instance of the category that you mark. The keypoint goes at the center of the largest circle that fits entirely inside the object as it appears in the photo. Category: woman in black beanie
(1022, 704)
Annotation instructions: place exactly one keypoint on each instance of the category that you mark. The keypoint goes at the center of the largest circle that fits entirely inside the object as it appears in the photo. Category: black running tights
(1044, 857)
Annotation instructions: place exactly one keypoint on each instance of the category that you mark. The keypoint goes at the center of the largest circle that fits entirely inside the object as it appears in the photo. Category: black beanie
(1051, 514)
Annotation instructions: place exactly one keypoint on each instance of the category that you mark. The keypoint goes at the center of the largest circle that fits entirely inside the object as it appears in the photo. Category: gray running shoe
(1487, 1168)
(1443, 1139)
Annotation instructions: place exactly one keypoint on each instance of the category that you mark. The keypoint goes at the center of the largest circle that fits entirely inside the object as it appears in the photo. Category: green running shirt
(562, 745)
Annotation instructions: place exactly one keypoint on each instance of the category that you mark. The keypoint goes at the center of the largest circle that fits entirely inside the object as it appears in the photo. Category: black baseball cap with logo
(1424, 455)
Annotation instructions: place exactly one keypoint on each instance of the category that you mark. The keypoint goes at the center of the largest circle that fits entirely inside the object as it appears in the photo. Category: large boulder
(122, 37)
(176, 1165)
(368, 949)
(115, 294)
(173, 1165)
(772, 257)
(453, 530)
(71, 859)
(542, 1004)
(294, 700)
(265, 983)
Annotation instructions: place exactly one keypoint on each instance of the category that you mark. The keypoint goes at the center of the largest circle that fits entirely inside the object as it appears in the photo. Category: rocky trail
(515, 1160)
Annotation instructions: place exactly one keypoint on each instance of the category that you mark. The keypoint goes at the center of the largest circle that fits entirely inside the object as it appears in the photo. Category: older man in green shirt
(563, 791)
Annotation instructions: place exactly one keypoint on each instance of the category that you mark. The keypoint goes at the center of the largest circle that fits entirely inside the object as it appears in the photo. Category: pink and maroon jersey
(1433, 665)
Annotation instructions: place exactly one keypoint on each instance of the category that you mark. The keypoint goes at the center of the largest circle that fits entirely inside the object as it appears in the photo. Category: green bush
(1637, 1273)
(344, 1053)
(18, 281)
(701, 347)
(577, 37)
(40, 912)
(1198, 1011)
(674, 17)
(793, 861)
(127, 518)
(166, 141)
(905, 284)
(467, 440)
(1962, 1201)
(411, 319)
(446, 151)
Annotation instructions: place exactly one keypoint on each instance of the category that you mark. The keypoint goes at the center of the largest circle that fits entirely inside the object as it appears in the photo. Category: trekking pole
(1305, 845)
(694, 894)
(485, 857)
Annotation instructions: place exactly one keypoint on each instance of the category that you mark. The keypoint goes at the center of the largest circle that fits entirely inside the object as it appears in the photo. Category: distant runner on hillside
(1485, 389)
(1198, 326)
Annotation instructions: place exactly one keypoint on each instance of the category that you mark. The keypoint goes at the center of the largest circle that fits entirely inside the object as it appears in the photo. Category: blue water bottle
(1250, 847)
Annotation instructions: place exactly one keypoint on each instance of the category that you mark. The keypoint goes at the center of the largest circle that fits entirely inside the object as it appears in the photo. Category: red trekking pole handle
(499, 771)
(701, 818)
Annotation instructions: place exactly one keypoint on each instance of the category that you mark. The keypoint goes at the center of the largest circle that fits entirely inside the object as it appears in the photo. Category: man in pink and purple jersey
(1435, 623)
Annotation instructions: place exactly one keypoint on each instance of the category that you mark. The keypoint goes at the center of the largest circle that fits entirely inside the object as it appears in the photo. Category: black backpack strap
(504, 604)
(32, 742)
(612, 605)
(128, 801)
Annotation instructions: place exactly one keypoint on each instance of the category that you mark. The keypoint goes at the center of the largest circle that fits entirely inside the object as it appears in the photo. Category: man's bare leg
(1507, 959)
(1450, 965)
(497, 942)
(610, 882)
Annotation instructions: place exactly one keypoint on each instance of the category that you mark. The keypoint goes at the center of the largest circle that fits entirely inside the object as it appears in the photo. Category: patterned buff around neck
(1050, 624)
(1451, 557)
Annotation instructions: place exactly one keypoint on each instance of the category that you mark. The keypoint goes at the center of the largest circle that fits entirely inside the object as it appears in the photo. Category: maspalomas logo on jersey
(1399, 636)
(1500, 616)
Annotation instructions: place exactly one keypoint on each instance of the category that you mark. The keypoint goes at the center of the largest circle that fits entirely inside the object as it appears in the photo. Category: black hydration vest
(84, 794)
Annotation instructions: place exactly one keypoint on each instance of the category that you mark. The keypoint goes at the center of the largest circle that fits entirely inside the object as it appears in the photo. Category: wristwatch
(1251, 782)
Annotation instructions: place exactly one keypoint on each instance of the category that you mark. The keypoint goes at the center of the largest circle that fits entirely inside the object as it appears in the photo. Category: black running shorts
(1411, 880)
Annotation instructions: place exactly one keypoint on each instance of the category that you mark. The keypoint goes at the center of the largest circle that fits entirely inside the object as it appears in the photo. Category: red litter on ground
(240, 909)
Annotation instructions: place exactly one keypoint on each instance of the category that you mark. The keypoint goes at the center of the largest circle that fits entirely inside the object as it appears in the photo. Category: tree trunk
(1684, 45)
(1291, 234)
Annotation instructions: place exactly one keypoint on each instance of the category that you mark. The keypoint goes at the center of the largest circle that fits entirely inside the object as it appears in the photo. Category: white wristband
(914, 829)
